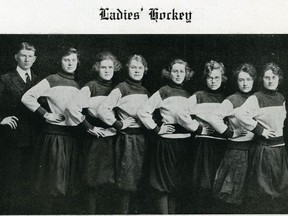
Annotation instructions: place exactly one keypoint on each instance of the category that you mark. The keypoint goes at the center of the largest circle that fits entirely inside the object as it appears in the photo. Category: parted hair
(138, 58)
(275, 70)
(247, 68)
(26, 46)
(188, 71)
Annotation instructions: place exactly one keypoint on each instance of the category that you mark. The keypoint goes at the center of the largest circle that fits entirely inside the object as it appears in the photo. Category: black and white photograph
(143, 109)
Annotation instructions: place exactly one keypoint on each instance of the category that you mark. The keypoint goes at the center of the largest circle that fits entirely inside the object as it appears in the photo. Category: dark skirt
(231, 177)
(169, 164)
(58, 172)
(209, 155)
(269, 175)
(130, 152)
(99, 161)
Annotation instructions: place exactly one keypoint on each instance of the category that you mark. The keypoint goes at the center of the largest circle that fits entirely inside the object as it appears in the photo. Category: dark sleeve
(228, 133)
(258, 129)
(2, 98)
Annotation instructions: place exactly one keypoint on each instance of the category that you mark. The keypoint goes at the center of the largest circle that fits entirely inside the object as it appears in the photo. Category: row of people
(116, 154)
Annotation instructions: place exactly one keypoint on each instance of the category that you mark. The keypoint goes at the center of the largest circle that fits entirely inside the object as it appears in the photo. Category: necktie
(28, 80)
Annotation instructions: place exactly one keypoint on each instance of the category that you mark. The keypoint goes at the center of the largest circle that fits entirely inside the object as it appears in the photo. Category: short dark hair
(68, 51)
(106, 56)
(26, 46)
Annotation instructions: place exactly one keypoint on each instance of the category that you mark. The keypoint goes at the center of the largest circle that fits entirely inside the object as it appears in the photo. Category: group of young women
(107, 140)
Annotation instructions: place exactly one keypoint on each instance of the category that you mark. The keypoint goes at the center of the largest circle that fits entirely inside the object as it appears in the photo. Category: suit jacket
(12, 88)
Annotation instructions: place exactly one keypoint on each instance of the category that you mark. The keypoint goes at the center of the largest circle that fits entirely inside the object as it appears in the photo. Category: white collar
(22, 73)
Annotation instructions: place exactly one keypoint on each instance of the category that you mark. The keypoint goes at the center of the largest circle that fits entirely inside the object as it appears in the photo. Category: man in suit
(17, 130)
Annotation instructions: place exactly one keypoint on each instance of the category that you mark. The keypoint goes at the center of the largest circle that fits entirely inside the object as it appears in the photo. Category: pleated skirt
(230, 183)
(269, 175)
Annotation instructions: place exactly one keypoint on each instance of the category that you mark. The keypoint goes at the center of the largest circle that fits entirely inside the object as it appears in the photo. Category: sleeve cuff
(228, 133)
(258, 129)
(86, 124)
(41, 111)
(118, 125)
(156, 129)
(199, 129)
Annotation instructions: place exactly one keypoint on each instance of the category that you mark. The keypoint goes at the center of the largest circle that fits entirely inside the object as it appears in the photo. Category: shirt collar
(22, 73)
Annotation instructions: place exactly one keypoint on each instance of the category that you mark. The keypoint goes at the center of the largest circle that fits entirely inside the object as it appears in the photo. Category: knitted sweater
(200, 106)
(264, 109)
(87, 102)
(227, 109)
(125, 99)
(169, 100)
(59, 89)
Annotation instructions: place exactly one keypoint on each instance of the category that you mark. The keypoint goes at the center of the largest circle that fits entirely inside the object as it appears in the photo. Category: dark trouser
(16, 181)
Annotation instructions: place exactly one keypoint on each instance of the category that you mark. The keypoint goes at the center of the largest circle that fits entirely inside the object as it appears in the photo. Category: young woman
(264, 113)
(169, 158)
(99, 142)
(130, 147)
(212, 145)
(230, 181)
(57, 171)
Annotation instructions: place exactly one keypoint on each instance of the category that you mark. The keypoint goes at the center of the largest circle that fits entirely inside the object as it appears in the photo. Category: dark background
(159, 51)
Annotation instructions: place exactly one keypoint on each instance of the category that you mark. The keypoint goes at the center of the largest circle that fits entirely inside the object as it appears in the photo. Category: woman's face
(136, 70)
(245, 82)
(270, 80)
(178, 73)
(106, 69)
(69, 63)
(214, 80)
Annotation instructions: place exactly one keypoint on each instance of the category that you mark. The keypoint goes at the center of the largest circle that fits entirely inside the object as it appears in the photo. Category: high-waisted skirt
(230, 183)
(58, 166)
(269, 174)
(209, 155)
(130, 153)
(99, 166)
(169, 164)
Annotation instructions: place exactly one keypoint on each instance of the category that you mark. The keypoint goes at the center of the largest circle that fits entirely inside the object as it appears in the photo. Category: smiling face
(270, 80)
(245, 82)
(106, 69)
(178, 73)
(136, 70)
(214, 80)
(69, 63)
(25, 59)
